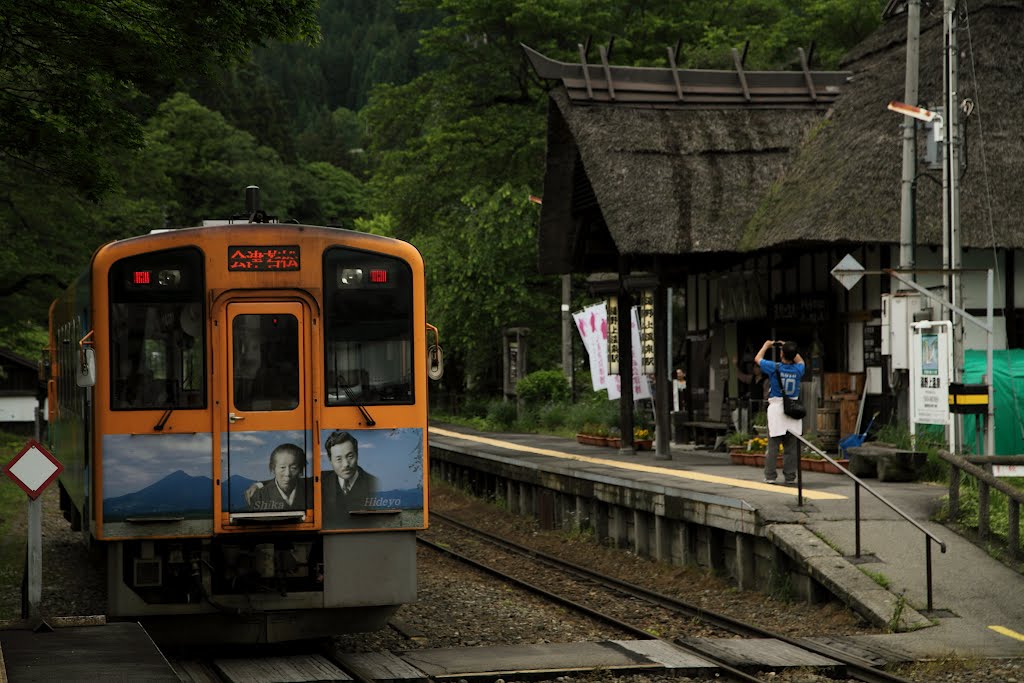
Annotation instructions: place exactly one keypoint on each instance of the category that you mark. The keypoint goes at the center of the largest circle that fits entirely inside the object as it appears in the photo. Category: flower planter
(591, 440)
(615, 441)
(741, 457)
(819, 465)
(829, 468)
(643, 444)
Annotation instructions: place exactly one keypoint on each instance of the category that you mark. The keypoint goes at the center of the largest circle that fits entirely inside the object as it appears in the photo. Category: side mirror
(435, 357)
(85, 373)
(435, 362)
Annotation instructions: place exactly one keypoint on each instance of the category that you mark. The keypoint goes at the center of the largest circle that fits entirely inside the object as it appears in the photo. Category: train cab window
(265, 361)
(368, 323)
(157, 331)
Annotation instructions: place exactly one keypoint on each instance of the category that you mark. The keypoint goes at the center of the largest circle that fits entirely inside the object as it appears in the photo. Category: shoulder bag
(790, 406)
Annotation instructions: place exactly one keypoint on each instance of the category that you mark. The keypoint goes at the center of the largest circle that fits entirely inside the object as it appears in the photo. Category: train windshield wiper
(370, 422)
(159, 426)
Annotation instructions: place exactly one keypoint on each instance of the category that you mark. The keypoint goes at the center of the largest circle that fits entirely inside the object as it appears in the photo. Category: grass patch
(998, 510)
(13, 508)
(878, 577)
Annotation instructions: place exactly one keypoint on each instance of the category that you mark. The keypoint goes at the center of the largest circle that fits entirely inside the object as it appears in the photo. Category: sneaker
(770, 481)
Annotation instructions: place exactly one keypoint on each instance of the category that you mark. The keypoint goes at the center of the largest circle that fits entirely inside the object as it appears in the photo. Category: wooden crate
(828, 416)
(849, 406)
(835, 383)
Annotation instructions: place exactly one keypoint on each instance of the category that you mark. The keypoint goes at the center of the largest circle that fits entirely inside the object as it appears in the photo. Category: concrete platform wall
(672, 526)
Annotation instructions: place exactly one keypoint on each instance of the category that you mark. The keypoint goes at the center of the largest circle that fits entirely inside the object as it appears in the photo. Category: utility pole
(910, 96)
(907, 208)
(951, 252)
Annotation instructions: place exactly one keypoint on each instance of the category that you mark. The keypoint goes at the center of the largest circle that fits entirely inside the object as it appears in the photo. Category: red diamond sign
(33, 469)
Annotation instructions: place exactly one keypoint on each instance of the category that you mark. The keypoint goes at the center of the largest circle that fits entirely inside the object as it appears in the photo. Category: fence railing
(858, 485)
(977, 467)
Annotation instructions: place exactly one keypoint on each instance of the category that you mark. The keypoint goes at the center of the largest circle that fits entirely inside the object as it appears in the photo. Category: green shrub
(594, 408)
(553, 416)
(528, 419)
(543, 386)
(475, 406)
(502, 414)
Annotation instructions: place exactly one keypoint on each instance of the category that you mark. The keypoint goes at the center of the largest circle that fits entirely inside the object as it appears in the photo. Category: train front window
(368, 329)
(265, 361)
(157, 331)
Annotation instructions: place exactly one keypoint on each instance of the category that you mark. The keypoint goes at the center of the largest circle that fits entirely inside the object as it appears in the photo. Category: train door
(268, 457)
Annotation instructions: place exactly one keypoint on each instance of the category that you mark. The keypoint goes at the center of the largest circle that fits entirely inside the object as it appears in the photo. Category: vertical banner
(641, 385)
(595, 327)
(592, 324)
(613, 335)
(930, 370)
(647, 330)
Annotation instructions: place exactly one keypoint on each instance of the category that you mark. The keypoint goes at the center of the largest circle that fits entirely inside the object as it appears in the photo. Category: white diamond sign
(848, 271)
(33, 469)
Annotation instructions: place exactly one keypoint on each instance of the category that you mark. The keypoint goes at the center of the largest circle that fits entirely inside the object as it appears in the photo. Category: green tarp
(1008, 397)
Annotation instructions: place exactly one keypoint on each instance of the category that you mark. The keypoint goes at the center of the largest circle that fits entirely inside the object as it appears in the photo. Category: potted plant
(593, 434)
(760, 423)
(614, 437)
(812, 461)
(738, 445)
(642, 438)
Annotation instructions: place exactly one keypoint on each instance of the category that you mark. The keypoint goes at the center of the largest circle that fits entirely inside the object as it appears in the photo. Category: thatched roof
(669, 178)
(844, 186)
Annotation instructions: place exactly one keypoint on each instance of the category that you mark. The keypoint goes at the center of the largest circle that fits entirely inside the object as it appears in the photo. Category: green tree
(327, 195)
(71, 72)
(204, 164)
(488, 281)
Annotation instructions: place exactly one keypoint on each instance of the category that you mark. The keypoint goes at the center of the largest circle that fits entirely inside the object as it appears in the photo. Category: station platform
(976, 611)
(96, 652)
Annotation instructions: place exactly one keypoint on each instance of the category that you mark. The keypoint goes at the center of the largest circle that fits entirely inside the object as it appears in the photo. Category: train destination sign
(33, 469)
(258, 258)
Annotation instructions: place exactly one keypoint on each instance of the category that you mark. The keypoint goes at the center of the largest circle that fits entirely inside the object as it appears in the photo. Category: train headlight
(350, 277)
(169, 278)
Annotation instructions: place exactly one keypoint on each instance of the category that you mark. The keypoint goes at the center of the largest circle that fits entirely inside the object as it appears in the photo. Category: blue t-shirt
(791, 375)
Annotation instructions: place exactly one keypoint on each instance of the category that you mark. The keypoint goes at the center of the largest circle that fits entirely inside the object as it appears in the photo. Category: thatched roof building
(844, 185)
(665, 162)
(699, 183)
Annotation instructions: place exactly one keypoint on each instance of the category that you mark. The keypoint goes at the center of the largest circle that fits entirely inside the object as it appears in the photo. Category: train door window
(157, 331)
(265, 357)
(368, 328)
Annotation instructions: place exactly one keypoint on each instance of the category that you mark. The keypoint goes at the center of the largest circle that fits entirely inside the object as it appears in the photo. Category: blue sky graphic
(132, 462)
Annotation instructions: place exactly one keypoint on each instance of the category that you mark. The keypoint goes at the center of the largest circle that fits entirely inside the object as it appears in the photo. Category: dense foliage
(414, 118)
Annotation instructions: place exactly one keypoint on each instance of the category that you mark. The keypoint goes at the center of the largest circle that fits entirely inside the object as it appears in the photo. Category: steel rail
(726, 668)
(858, 668)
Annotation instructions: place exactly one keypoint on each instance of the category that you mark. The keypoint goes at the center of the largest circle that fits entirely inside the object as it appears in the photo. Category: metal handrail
(858, 483)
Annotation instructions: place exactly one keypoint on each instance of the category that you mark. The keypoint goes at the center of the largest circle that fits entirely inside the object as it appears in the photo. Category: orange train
(241, 412)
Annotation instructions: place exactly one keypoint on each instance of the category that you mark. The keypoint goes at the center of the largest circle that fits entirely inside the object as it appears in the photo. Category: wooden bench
(703, 433)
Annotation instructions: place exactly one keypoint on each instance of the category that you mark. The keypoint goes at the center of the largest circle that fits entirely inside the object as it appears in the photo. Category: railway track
(691, 626)
(292, 662)
(282, 663)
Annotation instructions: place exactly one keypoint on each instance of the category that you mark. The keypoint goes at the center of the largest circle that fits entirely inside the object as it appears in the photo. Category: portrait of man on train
(289, 489)
(346, 486)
